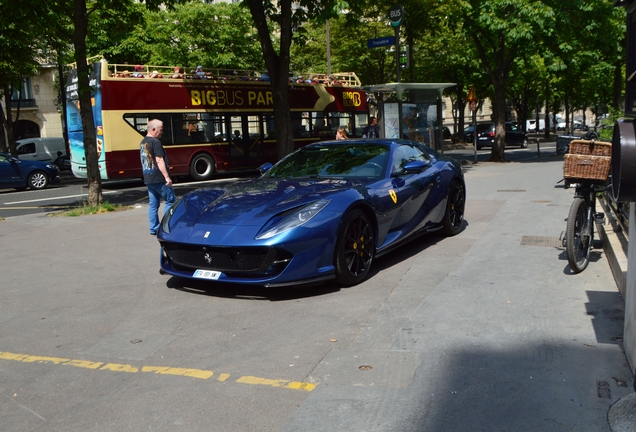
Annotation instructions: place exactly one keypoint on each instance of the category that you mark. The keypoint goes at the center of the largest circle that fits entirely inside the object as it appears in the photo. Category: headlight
(53, 167)
(165, 222)
(295, 219)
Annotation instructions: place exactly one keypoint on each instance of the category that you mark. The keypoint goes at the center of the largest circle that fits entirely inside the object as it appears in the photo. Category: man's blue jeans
(157, 191)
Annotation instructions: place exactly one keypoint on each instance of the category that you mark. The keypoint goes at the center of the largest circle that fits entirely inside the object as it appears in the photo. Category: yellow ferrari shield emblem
(393, 195)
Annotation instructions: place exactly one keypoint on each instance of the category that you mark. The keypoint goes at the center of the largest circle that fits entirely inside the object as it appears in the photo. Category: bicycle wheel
(577, 242)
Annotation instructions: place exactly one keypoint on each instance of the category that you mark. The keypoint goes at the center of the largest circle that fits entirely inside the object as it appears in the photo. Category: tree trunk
(546, 132)
(80, 21)
(278, 70)
(7, 120)
(499, 117)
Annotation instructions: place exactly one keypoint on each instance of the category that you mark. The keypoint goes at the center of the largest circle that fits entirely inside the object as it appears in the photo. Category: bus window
(139, 122)
(185, 127)
(268, 126)
(255, 141)
(214, 127)
(300, 124)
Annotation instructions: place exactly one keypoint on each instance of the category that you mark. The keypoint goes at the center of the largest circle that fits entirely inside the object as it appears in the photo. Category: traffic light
(404, 57)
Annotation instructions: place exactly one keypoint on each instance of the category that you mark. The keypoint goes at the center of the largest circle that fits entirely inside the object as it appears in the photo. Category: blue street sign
(380, 42)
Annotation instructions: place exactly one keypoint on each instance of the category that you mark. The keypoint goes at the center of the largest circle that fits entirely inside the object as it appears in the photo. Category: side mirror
(624, 160)
(414, 167)
(265, 167)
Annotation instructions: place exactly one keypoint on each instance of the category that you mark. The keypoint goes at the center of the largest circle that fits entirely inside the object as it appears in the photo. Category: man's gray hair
(153, 124)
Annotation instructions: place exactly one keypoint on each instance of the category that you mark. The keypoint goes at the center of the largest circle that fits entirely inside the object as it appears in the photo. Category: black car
(448, 135)
(486, 135)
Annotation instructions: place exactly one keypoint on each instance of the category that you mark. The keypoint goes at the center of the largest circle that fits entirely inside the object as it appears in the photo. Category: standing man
(372, 130)
(154, 164)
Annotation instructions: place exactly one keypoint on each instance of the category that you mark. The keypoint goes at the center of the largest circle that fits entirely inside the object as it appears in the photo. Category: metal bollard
(539, 148)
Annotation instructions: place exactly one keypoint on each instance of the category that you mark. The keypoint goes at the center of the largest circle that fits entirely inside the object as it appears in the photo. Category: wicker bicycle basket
(587, 161)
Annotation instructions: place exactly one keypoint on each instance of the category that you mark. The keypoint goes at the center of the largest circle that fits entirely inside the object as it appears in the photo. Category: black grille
(264, 259)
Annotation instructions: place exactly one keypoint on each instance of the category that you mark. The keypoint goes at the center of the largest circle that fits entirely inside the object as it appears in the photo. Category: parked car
(577, 125)
(20, 174)
(531, 125)
(323, 212)
(448, 135)
(486, 135)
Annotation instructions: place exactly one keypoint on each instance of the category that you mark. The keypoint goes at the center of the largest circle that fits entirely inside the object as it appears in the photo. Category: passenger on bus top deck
(178, 73)
(138, 71)
(199, 73)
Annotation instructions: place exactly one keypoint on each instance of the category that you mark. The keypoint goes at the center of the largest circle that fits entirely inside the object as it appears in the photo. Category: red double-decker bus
(214, 120)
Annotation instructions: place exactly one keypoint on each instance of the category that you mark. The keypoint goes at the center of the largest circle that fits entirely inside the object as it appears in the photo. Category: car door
(412, 189)
(9, 174)
(513, 134)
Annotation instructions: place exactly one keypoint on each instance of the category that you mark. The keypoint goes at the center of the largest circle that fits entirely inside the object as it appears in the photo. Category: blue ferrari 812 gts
(323, 212)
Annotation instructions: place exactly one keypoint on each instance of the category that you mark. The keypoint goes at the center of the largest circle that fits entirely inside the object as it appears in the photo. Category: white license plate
(207, 274)
(482, 138)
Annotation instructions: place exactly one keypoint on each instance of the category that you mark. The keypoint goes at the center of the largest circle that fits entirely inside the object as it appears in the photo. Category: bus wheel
(202, 167)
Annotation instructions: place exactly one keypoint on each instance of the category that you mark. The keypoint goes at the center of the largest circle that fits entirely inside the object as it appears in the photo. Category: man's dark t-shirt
(149, 148)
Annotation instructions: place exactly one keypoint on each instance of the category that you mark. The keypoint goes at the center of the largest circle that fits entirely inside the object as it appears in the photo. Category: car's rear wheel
(455, 205)
(38, 180)
(202, 167)
(355, 248)
(524, 143)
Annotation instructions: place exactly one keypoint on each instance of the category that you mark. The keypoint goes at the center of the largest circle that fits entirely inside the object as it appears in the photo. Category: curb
(615, 248)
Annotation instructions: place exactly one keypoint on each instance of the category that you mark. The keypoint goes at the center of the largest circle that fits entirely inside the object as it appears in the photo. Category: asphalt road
(488, 330)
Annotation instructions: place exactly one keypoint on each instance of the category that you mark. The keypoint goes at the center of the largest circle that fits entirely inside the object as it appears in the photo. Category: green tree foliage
(502, 32)
(114, 33)
(218, 35)
(349, 50)
(24, 42)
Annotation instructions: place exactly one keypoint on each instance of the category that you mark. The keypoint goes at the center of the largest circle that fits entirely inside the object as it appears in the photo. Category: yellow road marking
(160, 370)
(195, 373)
(296, 385)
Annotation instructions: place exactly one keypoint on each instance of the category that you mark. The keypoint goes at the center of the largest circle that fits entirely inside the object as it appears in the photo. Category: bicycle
(579, 232)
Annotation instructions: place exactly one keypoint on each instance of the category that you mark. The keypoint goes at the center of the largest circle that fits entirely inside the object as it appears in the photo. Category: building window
(23, 95)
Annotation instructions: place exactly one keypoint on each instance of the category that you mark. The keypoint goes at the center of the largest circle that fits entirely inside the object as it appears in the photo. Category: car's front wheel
(38, 180)
(355, 248)
(524, 143)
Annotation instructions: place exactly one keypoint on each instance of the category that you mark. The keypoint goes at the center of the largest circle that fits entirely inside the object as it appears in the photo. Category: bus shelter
(417, 117)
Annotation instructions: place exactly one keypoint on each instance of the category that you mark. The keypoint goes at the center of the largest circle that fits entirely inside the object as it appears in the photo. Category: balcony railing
(24, 103)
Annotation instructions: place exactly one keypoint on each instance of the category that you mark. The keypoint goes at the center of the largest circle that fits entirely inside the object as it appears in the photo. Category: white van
(40, 149)
(531, 125)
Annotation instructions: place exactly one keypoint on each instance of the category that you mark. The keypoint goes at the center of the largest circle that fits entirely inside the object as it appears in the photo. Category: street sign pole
(473, 108)
(396, 15)
(397, 53)
(472, 102)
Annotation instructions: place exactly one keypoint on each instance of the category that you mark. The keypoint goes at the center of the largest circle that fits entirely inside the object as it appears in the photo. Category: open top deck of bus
(349, 79)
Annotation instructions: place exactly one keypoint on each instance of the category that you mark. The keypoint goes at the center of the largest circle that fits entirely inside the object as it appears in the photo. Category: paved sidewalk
(507, 337)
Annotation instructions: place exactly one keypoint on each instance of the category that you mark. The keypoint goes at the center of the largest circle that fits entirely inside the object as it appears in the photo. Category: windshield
(334, 160)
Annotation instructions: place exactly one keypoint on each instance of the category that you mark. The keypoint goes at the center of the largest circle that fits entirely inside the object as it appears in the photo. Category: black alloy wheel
(355, 248)
(455, 206)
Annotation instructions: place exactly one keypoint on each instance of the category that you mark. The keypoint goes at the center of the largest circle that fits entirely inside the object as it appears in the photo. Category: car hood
(254, 202)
